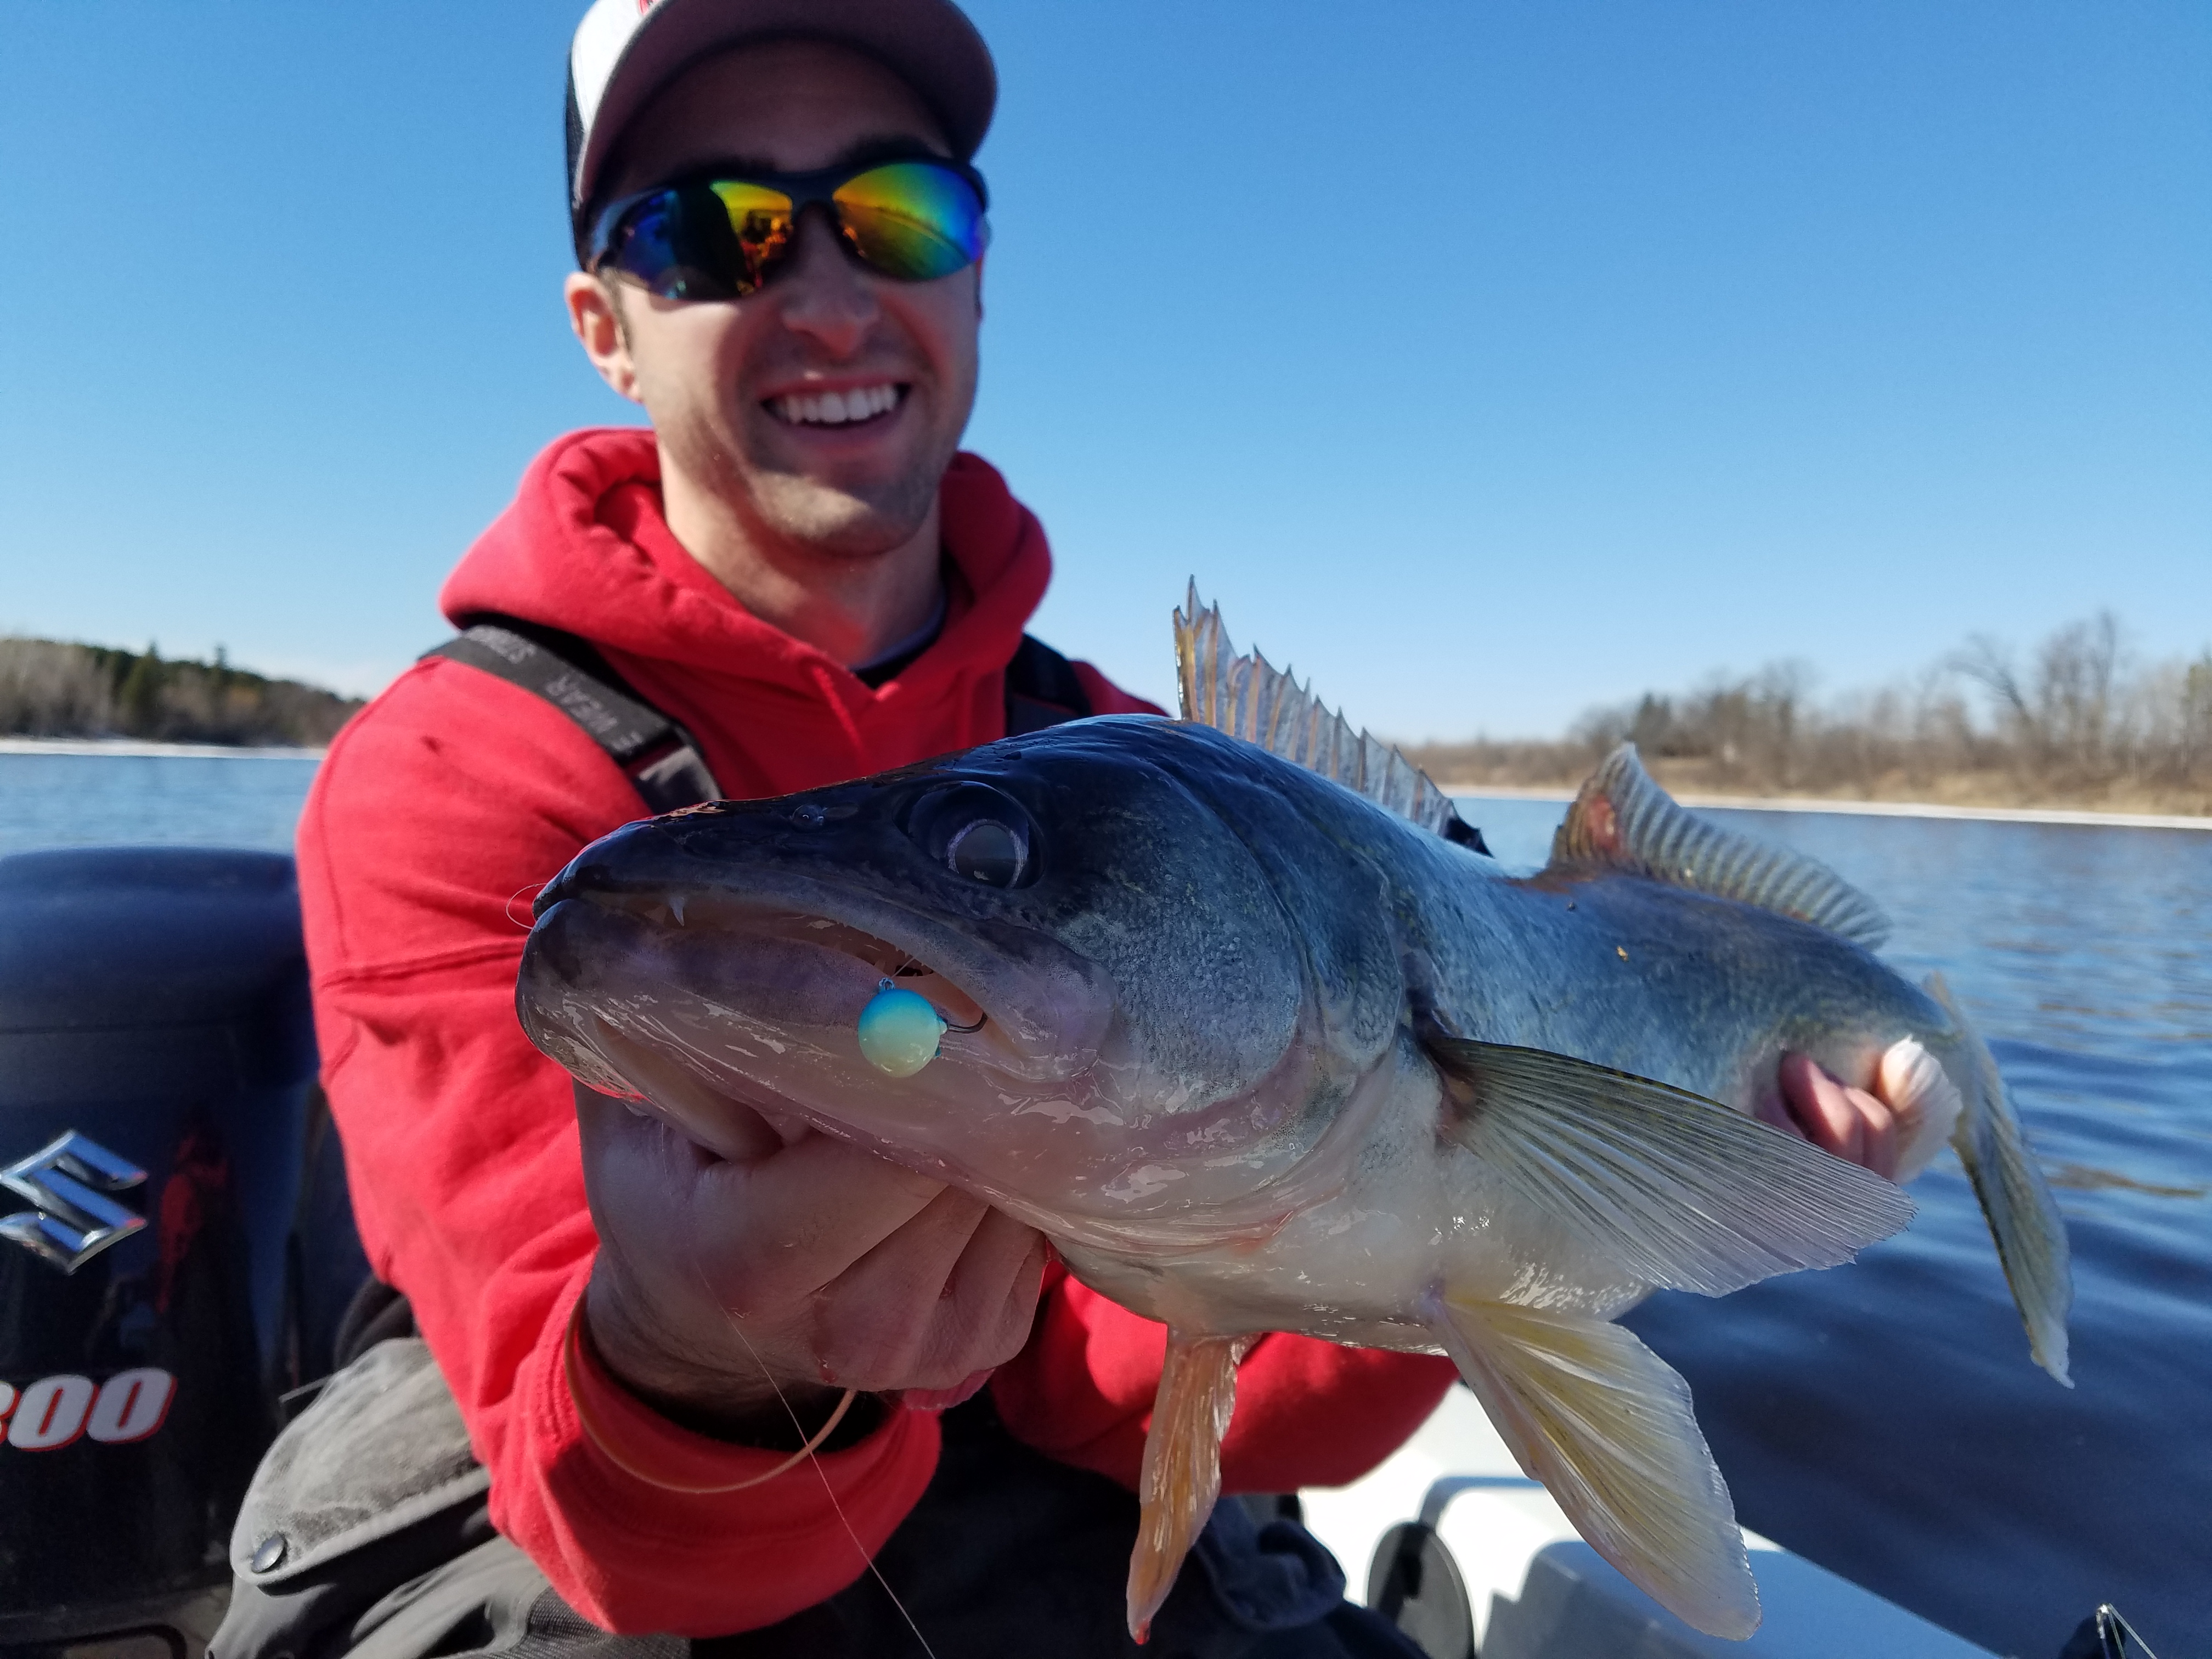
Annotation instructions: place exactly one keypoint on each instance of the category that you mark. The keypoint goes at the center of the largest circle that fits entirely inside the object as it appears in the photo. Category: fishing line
(908, 968)
(813, 1457)
(534, 889)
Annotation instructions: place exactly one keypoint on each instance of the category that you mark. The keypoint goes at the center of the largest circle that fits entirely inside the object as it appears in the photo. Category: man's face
(736, 389)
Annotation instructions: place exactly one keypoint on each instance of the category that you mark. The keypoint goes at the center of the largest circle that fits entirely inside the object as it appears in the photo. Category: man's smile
(851, 406)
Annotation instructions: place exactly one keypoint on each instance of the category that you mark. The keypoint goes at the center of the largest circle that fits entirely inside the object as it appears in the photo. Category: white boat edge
(1536, 1591)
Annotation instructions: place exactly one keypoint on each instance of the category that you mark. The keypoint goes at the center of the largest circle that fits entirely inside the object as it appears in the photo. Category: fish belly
(1366, 1263)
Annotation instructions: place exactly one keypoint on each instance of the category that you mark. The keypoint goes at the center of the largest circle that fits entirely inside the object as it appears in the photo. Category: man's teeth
(835, 408)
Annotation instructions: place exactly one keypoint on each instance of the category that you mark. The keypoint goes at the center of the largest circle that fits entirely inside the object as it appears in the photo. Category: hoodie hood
(585, 547)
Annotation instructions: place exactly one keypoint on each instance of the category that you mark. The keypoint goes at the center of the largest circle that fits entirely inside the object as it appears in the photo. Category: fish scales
(1260, 1054)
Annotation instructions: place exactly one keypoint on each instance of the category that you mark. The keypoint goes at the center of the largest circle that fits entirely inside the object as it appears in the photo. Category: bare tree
(2080, 719)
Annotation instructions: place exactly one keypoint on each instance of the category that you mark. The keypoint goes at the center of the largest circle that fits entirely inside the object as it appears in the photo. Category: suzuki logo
(74, 1220)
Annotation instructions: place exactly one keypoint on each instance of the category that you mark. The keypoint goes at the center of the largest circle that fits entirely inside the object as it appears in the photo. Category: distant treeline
(52, 689)
(2077, 722)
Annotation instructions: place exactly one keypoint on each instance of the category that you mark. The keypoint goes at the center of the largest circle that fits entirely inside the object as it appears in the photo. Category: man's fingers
(838, 1266)
(1817, 1102)
(763, 1229)
(799, 1219)
(884, 1318)
(1878, 1133)
(1775, 1114)
(1848, 1122)
(951, 1293)
(993, 1290)
(639, 1172)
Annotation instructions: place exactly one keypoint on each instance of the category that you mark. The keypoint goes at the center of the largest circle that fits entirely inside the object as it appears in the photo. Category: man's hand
(1848, 1122)
(795, 1263)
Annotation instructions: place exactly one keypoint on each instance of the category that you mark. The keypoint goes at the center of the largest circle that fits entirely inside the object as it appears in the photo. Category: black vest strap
(1042, 689)
(660, 758)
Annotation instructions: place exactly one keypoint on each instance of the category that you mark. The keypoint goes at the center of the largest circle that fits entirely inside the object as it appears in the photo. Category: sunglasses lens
(757, 220)
(914, 220)
(689, 243)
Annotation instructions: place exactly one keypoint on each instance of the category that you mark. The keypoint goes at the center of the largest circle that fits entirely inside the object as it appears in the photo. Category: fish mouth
(687, 1001)
(784, 932)
(688, 997)
(798, 957)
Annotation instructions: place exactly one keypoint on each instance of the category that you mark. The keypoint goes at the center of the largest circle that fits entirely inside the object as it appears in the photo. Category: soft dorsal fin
(1247, 698)
(1625, 819)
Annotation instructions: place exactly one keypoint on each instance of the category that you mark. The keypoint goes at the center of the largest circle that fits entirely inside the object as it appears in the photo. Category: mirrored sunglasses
(721, 238)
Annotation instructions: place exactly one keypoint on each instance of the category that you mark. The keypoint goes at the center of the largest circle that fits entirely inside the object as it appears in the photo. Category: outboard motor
(158, 1291)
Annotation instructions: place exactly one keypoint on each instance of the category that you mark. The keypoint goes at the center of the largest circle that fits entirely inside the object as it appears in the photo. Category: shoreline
(133, 749)
(1880, 809)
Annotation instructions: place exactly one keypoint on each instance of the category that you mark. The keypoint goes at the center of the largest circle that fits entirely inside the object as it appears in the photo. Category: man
(798, 569)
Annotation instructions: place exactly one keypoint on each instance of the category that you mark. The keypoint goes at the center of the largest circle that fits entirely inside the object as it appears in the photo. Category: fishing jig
(900, 1029)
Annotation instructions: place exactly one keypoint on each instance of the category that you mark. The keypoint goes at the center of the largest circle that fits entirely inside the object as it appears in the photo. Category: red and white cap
(626, 50)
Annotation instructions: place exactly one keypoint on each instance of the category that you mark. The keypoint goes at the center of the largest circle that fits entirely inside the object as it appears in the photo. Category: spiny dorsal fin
(1625, 819)
(1247, 698)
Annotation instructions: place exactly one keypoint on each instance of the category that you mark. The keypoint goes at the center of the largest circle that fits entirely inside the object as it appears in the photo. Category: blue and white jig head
(900, 1029)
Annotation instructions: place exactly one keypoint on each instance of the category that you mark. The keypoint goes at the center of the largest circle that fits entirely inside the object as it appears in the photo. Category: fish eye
(985, 851)
(975, 832)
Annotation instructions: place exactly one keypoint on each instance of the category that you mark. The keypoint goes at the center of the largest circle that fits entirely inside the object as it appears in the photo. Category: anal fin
(1181, 1476)
(1605, 1425)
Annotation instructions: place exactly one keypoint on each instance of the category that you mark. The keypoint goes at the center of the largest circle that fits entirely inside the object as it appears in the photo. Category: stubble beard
(838, 521)
(811, 516)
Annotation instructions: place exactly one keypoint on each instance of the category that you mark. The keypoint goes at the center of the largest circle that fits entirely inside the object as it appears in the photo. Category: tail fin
(2023, 1216)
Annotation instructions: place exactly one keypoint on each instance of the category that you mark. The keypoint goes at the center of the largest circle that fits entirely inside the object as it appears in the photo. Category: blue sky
(1486, 361)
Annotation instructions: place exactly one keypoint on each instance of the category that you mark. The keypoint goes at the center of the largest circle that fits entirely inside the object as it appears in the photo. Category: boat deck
(1536, 1591)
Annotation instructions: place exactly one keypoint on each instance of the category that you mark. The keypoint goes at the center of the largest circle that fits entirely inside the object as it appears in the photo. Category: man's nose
(820, 293)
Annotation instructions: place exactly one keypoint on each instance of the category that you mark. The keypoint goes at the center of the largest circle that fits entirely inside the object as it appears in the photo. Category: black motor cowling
(169, 1256)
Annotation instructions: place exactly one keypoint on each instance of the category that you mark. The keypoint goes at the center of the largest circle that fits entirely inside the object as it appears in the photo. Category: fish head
(1157, 1028)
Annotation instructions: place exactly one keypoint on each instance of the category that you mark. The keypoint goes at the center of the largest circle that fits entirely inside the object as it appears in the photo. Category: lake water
(88, 801)
(1882, 1418)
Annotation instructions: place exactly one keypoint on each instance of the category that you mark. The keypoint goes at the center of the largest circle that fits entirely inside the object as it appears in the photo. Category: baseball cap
(626, 50)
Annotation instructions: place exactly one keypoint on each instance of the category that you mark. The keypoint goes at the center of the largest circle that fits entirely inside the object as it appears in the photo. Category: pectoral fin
(2022, 1215)
(1605, 1425)
(1182, 1473)
(1679, 1190)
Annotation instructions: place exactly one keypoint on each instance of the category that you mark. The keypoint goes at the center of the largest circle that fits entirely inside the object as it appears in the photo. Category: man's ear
(594, 314)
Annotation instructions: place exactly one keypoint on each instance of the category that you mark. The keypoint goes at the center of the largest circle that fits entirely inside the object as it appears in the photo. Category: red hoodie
(438, 811)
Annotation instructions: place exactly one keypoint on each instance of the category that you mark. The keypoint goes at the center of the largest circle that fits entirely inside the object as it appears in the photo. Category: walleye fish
(1236, 1014)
